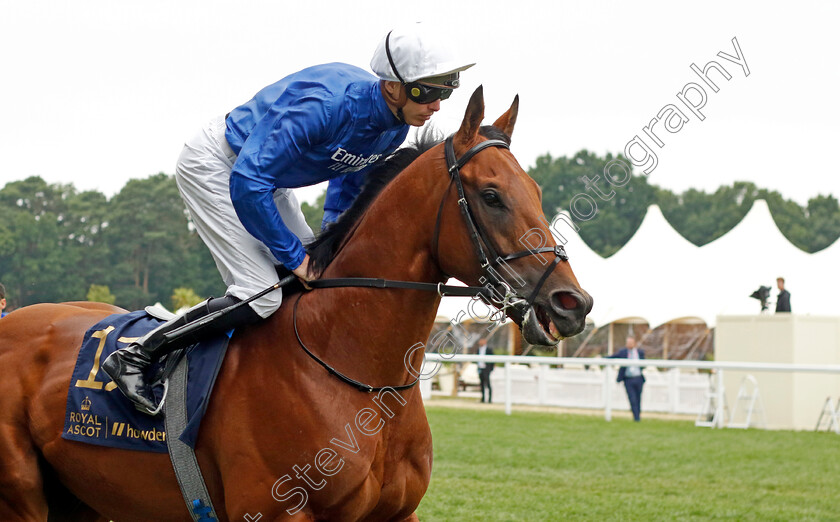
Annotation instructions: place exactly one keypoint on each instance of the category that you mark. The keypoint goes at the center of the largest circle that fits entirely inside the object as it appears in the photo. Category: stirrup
(180, 332)
(159, 408)
(127, 369)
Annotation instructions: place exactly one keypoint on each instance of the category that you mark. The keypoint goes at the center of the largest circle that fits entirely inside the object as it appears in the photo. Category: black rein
(477, 236)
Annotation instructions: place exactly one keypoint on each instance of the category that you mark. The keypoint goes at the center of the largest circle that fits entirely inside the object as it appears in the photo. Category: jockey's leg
(127, 366)
(245, 264)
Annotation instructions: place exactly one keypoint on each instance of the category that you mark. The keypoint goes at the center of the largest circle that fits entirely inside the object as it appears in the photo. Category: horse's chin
(538, 327)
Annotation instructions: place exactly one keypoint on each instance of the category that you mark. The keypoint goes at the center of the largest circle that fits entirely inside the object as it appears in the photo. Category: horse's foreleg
(63, 505)
(412, 518)
(21, 484)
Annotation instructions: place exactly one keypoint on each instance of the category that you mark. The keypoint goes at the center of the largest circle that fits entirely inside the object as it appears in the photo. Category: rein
(332, 371)
(510, 299)
(367, 282)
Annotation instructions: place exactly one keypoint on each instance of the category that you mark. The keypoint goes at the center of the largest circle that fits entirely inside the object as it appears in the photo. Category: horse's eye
(491, 197)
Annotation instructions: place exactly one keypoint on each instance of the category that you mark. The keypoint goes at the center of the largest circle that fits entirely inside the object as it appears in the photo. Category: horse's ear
(507, 120)
(472, 118)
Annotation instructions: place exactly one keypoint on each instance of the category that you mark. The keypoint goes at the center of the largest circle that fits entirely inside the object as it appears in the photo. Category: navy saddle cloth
(98, 413)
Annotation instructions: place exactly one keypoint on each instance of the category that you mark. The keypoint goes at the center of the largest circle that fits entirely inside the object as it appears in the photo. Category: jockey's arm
(274, 146)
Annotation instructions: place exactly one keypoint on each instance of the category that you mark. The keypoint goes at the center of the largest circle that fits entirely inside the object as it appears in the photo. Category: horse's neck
(394, 237)
(392, 241)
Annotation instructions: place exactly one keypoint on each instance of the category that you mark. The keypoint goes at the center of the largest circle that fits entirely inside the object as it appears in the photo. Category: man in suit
(783, 301)
(484, 370)
(632, 375)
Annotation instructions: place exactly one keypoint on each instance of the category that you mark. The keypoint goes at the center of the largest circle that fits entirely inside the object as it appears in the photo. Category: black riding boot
(128, 365)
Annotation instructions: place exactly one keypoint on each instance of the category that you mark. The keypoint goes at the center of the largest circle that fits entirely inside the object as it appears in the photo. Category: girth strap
(184, 461)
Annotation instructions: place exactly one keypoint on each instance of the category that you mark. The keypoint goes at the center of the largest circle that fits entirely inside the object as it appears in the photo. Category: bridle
(488, 259)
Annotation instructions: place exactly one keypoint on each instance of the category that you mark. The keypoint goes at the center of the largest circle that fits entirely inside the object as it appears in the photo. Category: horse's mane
(325, 246)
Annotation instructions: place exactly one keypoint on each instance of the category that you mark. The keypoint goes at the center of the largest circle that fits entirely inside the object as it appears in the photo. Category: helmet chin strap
(399, 101)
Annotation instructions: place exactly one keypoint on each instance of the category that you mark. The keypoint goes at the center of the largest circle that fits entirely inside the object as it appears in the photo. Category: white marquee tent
(660, 277)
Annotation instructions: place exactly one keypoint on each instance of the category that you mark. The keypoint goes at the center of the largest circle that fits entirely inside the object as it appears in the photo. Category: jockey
(327, 122)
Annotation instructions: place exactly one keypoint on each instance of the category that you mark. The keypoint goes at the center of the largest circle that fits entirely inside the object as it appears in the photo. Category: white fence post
(508, 386)
(720, 410)
(674, 389)
(608, 392)
(675, 379)
(542, 384)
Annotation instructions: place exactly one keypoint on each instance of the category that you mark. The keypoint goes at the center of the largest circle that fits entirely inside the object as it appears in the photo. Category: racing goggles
(423, 94)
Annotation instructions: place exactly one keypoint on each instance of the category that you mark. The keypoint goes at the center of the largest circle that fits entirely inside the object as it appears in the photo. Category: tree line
(58, 244)
(698, 216)
(138, 247)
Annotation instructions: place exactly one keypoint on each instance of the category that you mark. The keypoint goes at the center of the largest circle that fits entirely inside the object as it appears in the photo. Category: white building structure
(660, 276)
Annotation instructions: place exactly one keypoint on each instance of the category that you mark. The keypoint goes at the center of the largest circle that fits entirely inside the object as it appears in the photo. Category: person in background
(783, 301)
(484, 370)
(2, 300)
(631, 376)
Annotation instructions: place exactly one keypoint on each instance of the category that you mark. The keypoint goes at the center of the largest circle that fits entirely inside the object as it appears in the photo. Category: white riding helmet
(416, 52)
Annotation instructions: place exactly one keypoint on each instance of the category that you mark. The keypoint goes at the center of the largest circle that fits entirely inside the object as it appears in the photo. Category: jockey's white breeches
(245, 263)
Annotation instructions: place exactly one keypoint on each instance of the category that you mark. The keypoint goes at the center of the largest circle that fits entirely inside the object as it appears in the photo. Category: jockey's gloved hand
(302, 272)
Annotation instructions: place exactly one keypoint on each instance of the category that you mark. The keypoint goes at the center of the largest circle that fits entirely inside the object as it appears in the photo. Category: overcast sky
(96, 92)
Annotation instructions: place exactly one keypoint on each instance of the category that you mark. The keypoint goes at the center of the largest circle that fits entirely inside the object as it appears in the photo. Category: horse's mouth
(548, 324)
(536, 324)
(538, 327)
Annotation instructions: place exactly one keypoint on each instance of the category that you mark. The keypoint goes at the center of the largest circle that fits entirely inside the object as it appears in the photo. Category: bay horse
(283, 439)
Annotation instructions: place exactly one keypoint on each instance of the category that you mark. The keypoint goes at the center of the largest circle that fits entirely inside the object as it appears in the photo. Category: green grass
(543, 466)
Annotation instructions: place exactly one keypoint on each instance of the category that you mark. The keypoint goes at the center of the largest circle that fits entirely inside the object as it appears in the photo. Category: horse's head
(497, 235)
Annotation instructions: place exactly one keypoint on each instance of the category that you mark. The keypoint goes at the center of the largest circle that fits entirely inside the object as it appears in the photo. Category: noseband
(488, 259)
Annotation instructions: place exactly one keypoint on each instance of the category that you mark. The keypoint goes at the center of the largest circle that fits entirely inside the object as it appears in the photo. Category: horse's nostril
(566, 300)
